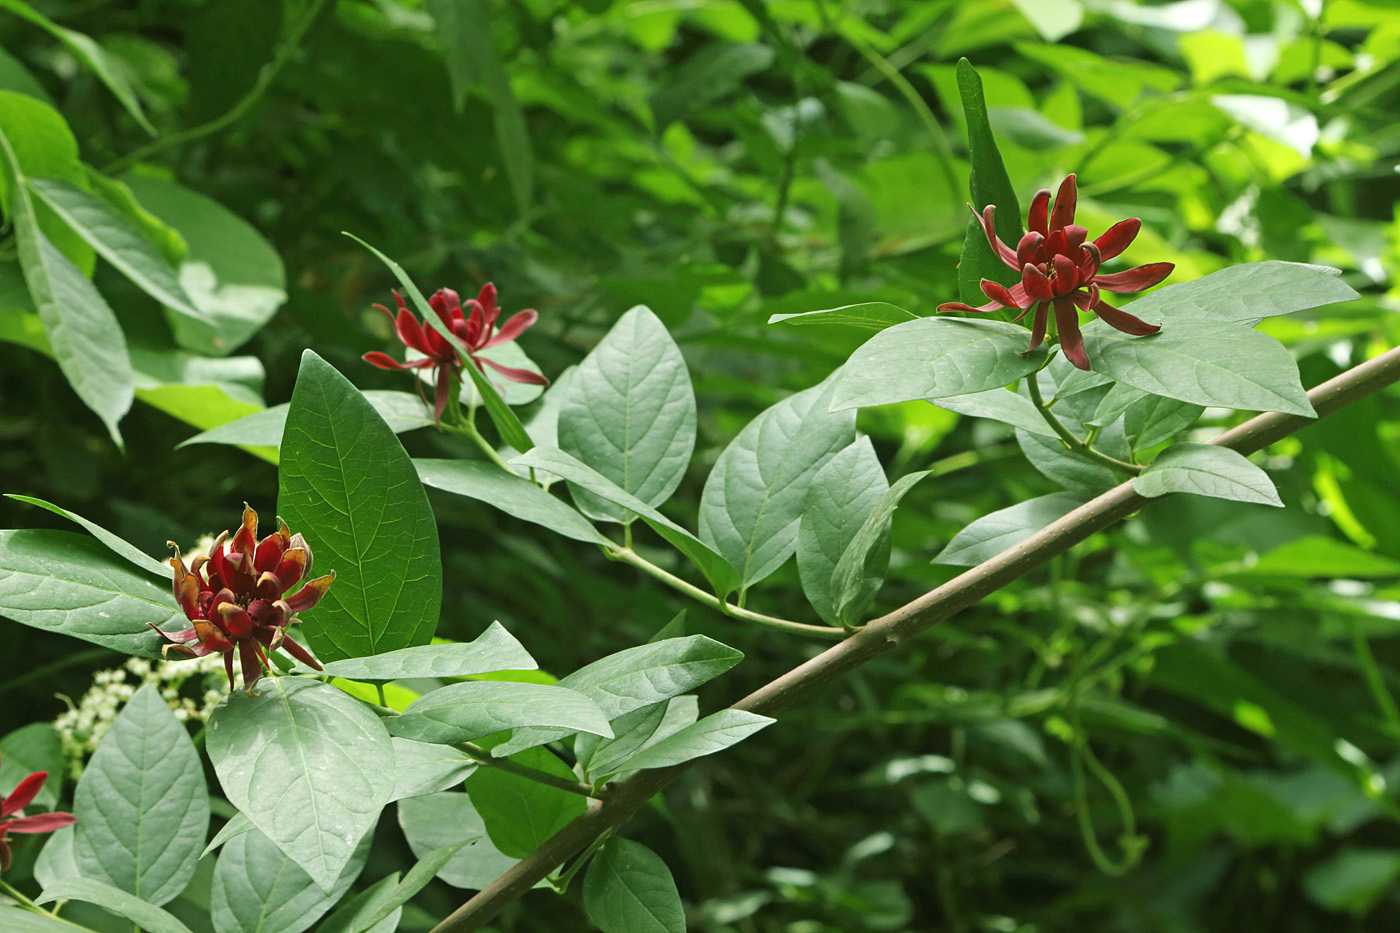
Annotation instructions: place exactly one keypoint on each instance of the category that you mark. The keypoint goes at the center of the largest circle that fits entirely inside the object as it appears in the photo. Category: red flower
(241, 603)
(13, 820)
(477, 331)
(1059, 268)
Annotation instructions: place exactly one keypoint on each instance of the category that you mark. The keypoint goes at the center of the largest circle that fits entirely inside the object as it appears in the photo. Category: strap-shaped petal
(1065, 201)
(1026, 250)
(24, 794)
(1037, 219)
(1066, 276)
(1036, 284)
(41, 823)
(1117, 237)
(1135, 279)
(519, 322)
(1122, 320)
(309, 595)
(1071, 341)
(989, 227)
(1038, 325)
(999, 293)
(516, 374)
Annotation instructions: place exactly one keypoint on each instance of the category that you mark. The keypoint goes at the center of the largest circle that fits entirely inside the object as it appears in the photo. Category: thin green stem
(265, 78)
(382, 700)
(1072, 442)
(1133, 844)
(1375, 680)
(629, 556)
(469, 430)
(483, 756)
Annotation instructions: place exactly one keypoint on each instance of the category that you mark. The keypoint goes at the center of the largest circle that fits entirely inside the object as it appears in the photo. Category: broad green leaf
(437, 820)
(868, 315)
(1311, 556)
(467, 711)
(1072, 469)
(1119, 398)
(717, 570)
(70, 584)
(935, 358)
(258, 889)
(1004, 528)
(598, 756)
(45, 147)
(464, 27)
(1244, 294)
(862, 567)
(520, 814)
(35, 747)
(493, 650)
(543, 423)
(86, 340)
(1353, 880)
(401, 411)
(310, 766)
(629, 889)
(1053, 19)
(752, 501)
(119, 546)
(16, 919)
(119, 197)
(421, 768)
(712, 734)
(1154, 419)
(146, 915)
(56, 859)
(346, 483)
(505, 420)
(117, 240)
(1008, 407)
(1204, 362)
(514, 495)
(230, 271)
(637, 677)
(708, 74)
(237, 825)
(988, 184)
(840, 498)
(630, 415)
(142, 804)
(1206, 470)
(354, 915)
(97, 59)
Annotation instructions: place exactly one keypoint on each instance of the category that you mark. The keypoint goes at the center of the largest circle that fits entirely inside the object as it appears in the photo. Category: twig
(1072, 442)
(891, 631)
(482, 756)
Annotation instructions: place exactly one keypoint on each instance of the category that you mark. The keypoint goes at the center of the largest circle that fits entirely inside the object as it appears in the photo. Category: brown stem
(884, 634)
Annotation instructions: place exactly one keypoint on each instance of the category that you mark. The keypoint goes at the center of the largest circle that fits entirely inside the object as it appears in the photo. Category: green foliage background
(722, 162)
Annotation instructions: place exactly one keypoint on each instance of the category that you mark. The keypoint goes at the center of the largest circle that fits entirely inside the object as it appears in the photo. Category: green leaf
(1204, 362)
(15, 919)
(1118, 399)
(1007, 406)
(1354, 880)
(493, 650)
(1206, 470)
(1244, 294)
(505, 420)
(868, 315)
(720, 574)
(514, 495)
(629, 889)
(935, 358)
(142, 804)
(237, 825)
(989, 184)
(443, 819)
(712, 734)
(637, 677)
(862, 567)
(1072, 469)
(348, 486)
(147, 916)
(714, 71)
(599, 756)
(118, 545)
(401, 411)
(464, 27)
(310, 766)
(630, 415)
(85, 50)
(354, 915)
(68, 583)
(35, 747)
(119, 241)
(752, 501)
(86, 340)
(56, 860)
(467, 711)
(1313, 556)
(258, 889)
(520, 814)
(422, 768)
(840, 498)
(1004, 528)
(1154, 419)
(1053, 19)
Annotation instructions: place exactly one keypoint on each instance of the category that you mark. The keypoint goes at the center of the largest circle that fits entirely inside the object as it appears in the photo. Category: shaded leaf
(629, 889)
(1206, 470)
(514, 495)
(467, 711)
(1004, 528)
(493, 650)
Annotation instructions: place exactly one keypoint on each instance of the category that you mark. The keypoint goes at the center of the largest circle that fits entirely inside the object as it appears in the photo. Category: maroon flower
(13, 820)
(477, 331)
(242, 604)
(1059, 268)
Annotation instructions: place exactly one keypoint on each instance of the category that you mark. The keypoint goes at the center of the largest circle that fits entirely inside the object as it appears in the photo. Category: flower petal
(950, 306)
(514, 374)
(1065, 201)
(251, 664)
(1026, 249)
(519, 322)
(308, 596)
(24, 794)
(441, 390)
(1117, 237)
(998, 293)
(1037, 218)
(1037, 286)
(1066, 277)
(1136, 278)
(1071, 341)
(290, 646)
(410, 331)
(1042, 317)
(41, 823)
(383, 361)
(989, 227)
(1122, 320)
(486, 299)
(236, 621)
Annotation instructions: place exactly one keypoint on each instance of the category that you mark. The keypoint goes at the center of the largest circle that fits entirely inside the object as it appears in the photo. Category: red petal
(24, 794)
(526, 376)
(1135, 279)
(1122, 320)
(41, 823)
(236, 621)
(1075, 236)
(309, 595)
(998, 293)
(291, 568)
(1067, 320)
(519, 322)
(486, 299)
(1042, 317)
(988, 219)
(383, 360)
(1066, 276)
(1063, 214)
(1117, 237)
(1037, 219)
(1026, 249)
(440, 393)
(1037, 286)
(301, 654)
(410, 331)
(252, 666)
(948, 306)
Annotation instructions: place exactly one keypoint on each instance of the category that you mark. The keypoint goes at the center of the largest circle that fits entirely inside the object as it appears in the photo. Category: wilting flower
(1057, 267)
(241, 604)
(477, 331)
(13, 820)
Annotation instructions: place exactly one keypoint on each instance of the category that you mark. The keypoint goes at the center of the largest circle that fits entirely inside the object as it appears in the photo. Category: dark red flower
(478, 331)
(241, 604)
(13, 820)
(1058, 268)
